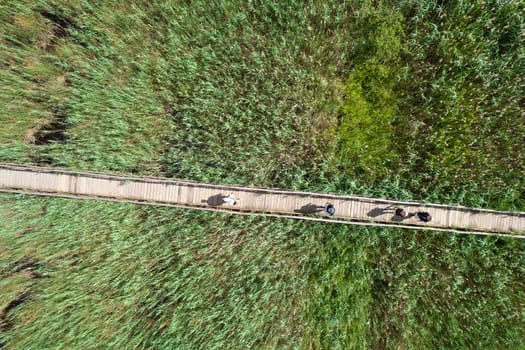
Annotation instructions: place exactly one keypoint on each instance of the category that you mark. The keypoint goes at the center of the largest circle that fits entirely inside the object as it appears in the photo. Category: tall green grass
(122, 276)
(210, 91)
(413, 99)
(157, 278)
(434, 101)
(425, 96)
(442, 291)
(77, 96)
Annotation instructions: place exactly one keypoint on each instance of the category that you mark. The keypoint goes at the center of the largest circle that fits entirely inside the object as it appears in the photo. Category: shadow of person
(214, 200)
(378, 211)
(309, 209)
(398, 218)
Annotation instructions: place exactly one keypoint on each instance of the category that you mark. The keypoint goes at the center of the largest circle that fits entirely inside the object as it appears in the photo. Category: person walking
(424, 216)
(230, 199)
(401, 212)
(329, 209)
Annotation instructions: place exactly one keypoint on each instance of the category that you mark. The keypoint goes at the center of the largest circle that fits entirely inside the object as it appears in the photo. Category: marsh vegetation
(409, 100)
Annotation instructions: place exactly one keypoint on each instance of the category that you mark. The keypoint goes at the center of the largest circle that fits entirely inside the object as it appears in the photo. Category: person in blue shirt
(329, 209)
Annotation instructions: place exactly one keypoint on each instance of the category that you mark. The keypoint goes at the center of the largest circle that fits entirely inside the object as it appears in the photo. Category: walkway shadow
(215, 200)
(309, 209)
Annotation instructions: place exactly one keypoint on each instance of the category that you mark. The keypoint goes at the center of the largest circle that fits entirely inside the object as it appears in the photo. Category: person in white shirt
(230, 199)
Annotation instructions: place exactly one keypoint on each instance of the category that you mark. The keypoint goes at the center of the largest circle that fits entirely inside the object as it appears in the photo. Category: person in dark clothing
(329, 209)
(424, 216)
(401, 212)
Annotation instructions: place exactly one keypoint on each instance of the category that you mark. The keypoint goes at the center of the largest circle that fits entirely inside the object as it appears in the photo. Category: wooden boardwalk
(271, 202)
